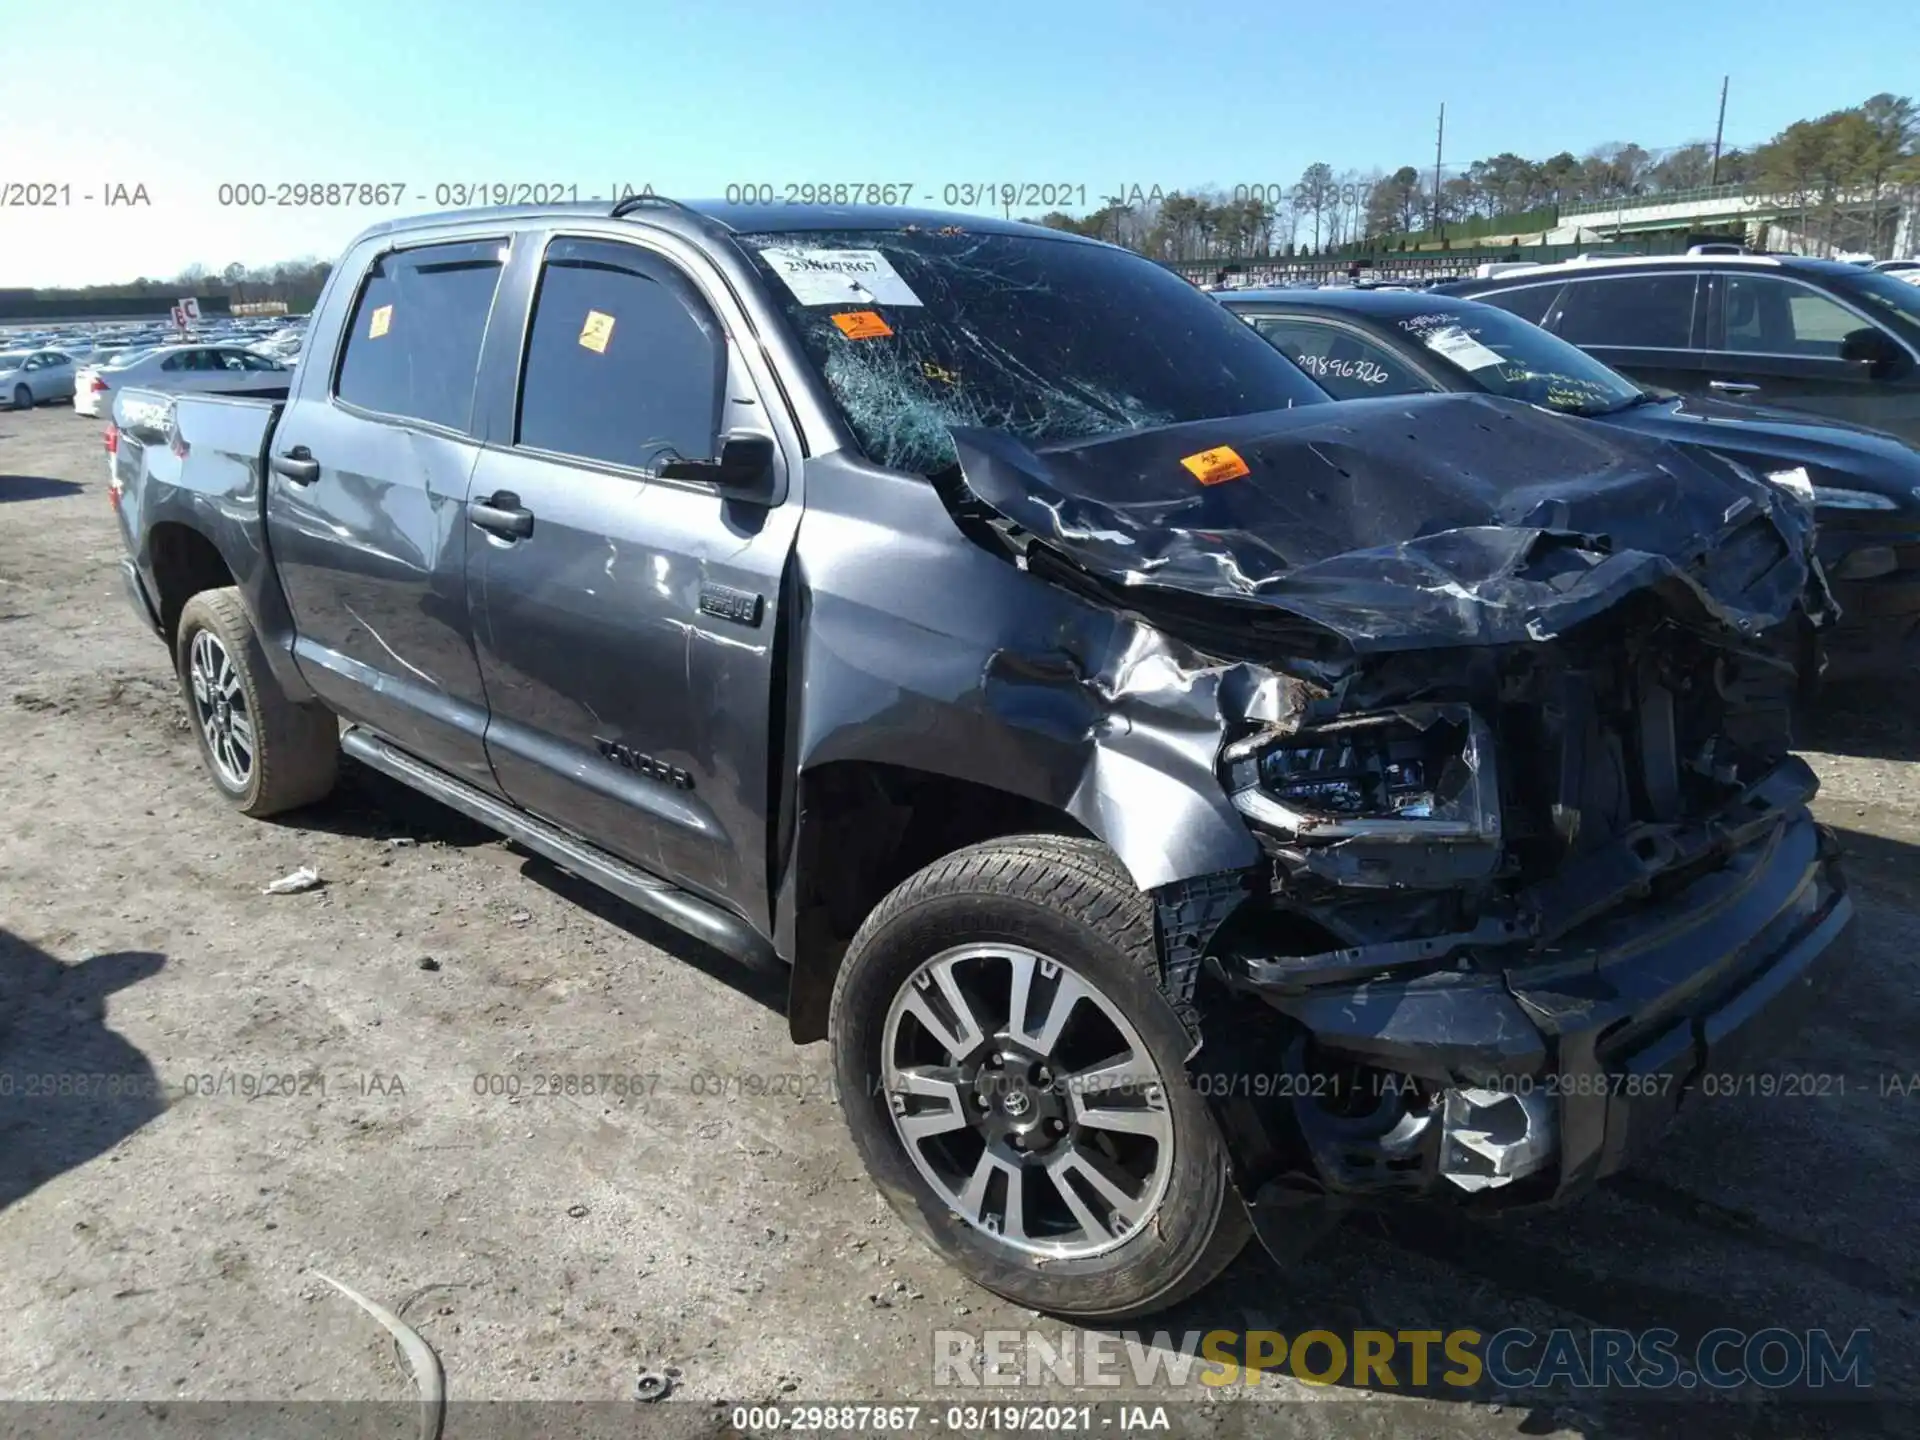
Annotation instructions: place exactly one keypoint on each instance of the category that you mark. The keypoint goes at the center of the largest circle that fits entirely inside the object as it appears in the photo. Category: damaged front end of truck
(1506, 706)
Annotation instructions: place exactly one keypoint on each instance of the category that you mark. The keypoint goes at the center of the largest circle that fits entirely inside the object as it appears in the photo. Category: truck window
(413, 346)
(625, 363)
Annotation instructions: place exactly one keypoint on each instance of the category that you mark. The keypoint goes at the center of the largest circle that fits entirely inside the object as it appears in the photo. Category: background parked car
(1835, 340)
(1865, 485)
(199, 369)
(31, 377)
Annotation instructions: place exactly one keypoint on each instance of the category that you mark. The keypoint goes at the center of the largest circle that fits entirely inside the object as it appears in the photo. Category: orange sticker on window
(862, 325)
(1211, 467)
(381, 322)
(597, 332)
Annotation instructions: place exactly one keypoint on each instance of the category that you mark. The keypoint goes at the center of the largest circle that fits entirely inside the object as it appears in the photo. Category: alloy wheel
(1027, 1100)
(220, 709)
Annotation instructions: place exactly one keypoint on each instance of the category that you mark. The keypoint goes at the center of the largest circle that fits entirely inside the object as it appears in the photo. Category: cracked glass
(1046, 338)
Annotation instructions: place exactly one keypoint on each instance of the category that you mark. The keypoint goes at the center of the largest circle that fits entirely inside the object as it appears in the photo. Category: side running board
(725, 932)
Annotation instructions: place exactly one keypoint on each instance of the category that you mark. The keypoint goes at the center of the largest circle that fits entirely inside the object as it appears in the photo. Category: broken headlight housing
(1421, 771)
(1829, 497)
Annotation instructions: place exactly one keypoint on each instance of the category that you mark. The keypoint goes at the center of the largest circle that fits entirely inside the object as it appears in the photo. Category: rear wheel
(265, 753)
(1014, 1080)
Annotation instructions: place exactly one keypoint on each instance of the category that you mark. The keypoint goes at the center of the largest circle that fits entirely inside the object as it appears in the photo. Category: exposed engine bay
(1500, 697)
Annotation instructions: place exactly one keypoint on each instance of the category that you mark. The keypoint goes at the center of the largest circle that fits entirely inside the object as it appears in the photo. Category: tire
(293, 754)
(1001, 907)
(22, 398)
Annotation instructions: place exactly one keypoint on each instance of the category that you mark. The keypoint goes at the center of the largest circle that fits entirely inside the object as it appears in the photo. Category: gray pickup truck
(1187, 807)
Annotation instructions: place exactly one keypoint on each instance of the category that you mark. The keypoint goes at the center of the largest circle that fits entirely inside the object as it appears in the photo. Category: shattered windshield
(1505, 355)
(1053, 340)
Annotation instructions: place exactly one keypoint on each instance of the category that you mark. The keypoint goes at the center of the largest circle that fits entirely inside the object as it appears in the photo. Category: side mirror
(1873, 348)
(744, 470)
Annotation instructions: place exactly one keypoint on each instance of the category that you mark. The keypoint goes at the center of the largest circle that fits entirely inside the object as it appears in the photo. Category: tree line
(1818, 162)
(296, 282)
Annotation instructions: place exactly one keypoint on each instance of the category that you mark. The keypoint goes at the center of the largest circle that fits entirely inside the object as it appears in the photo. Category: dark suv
(1814, 335)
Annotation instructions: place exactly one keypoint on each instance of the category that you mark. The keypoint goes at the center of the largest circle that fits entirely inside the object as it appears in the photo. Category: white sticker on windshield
(840, 277)
(1461, 348)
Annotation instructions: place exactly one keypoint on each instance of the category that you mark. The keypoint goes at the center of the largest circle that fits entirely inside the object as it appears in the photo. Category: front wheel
(1014, 1079)
(22, 398)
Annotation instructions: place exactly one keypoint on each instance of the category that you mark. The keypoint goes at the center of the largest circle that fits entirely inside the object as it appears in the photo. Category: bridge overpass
(1750, 207)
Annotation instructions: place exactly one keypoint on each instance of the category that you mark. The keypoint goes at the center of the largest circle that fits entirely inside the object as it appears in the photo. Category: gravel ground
(160, 1233)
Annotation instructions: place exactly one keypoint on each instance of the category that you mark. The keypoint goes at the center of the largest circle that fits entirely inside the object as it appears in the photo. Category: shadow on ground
(34, 487)
(368, 805)
(1877, 720)
(765, 987)
(70, 1088)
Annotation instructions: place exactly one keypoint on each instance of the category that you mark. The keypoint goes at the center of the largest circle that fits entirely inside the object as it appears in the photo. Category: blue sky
(693, 97)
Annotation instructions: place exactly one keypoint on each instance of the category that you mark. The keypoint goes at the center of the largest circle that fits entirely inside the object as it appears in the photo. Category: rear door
(1776, 340)
(1643, 324)
(367, 500)
(627, 636)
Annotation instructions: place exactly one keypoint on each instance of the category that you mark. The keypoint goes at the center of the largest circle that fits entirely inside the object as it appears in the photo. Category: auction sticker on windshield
(1461, 348)
(862, 325)
(837, 277)
(1211, 467)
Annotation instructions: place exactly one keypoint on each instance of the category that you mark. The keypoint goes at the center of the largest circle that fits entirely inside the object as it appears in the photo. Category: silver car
(211, 369)
(28, 377)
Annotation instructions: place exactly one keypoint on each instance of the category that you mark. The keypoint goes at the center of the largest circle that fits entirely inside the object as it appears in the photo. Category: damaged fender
(932, 654)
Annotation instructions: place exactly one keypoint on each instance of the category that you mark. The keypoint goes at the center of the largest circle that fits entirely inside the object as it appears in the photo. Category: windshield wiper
(1645, 397)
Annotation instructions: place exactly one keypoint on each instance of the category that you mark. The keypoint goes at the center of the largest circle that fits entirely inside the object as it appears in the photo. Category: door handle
(1733, 387)
(502, 515)
(298, 465)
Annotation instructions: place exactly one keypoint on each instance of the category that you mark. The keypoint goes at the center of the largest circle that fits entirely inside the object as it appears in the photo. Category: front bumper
(1605, 1034)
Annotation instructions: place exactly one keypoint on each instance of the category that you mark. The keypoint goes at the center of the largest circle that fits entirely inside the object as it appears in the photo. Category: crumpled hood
(1409, 522)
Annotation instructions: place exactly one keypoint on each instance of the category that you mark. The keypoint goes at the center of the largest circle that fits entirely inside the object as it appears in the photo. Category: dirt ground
(161, 1223)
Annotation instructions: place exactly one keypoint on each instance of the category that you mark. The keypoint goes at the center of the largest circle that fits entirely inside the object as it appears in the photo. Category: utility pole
(1439, 140)
(1719, 130)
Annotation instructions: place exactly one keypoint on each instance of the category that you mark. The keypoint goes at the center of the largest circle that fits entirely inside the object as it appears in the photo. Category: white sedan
(28, 377)
(199, 369)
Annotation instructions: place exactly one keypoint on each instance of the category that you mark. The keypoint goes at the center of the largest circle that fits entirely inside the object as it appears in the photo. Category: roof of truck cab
(689, 215)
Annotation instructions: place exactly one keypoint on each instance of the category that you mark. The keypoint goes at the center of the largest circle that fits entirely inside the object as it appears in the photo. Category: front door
(626, 623)
(1772, 340)
(369, 535)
